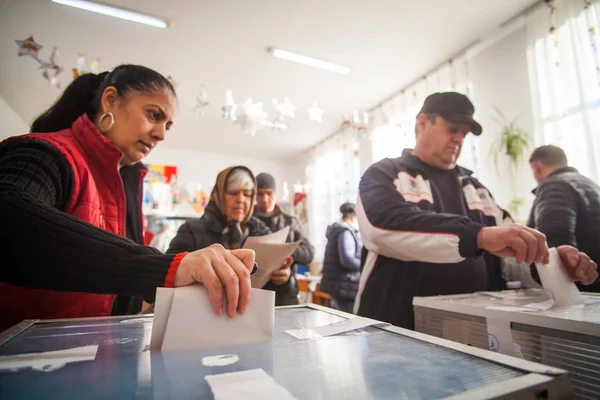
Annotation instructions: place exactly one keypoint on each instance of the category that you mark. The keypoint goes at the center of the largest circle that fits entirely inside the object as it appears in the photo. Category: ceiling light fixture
(313, 62)
(114, 12)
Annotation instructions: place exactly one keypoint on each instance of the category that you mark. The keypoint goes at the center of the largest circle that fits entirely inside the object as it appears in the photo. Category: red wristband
(170, 279)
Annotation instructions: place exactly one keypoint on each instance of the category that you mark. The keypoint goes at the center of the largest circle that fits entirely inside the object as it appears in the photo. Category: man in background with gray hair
(567, 205)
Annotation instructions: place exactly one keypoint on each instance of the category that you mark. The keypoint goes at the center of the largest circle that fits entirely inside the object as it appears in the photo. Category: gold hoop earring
(112, 121)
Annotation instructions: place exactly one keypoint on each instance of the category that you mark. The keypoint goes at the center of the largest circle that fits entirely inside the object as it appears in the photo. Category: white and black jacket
(416, 247)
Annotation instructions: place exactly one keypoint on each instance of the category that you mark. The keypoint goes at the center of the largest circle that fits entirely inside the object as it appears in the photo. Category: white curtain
(396, 128)
(564, 74)
(333, 174)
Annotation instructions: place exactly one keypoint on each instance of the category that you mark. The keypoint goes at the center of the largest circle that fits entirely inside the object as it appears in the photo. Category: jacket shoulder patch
(413, 189)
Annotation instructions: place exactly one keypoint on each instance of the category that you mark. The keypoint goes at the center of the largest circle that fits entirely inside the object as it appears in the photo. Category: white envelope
(554, 276)
(184, 319)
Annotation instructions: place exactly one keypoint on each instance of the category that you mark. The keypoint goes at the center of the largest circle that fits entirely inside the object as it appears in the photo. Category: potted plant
(513, 143)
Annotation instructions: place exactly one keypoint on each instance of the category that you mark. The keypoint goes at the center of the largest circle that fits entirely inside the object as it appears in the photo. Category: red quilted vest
(98, 198)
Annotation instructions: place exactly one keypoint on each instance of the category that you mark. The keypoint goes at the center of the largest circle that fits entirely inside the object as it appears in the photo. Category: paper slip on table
(371, 363)
(566, 338)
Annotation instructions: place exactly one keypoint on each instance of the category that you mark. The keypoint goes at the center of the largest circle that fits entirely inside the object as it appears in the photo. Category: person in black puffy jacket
(567, 205)
(341, 265)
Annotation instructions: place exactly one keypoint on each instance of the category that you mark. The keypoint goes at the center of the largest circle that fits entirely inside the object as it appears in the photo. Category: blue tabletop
(370, 363)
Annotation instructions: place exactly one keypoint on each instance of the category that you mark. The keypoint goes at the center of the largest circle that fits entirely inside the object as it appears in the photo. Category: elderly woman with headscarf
(228, 221)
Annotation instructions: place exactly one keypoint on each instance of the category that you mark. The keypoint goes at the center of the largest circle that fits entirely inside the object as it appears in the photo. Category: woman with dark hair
(70, 196)
(341, 264)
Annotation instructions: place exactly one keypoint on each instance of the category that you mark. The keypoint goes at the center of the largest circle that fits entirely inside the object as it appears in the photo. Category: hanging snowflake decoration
(251, 117)
(229, 109)
(285, 108)
(51, 68)
(201, 101)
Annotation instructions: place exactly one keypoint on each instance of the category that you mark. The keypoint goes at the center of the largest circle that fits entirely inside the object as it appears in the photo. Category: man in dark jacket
(431, 228)
(567, 205)
(271, 214)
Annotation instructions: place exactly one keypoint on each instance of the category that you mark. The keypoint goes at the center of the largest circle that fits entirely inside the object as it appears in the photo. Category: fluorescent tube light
(114, 12)
(313, 62)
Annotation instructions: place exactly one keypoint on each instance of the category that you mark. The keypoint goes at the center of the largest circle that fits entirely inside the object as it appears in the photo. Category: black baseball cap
(454, 107)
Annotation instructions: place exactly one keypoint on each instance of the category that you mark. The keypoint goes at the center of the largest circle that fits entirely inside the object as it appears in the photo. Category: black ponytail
(84, 94)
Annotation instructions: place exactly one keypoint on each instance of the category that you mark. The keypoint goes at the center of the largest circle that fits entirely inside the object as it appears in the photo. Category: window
(333, 174)
(565, 85)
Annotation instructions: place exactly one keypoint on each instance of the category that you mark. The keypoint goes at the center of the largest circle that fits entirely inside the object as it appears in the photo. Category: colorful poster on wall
(158, 173)
(198, 200)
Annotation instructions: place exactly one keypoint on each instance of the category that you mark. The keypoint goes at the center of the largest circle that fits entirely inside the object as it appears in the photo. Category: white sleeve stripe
(364, 277)
(432, 247)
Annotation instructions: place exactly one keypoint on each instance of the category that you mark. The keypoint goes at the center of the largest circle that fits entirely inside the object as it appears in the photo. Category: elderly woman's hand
(216, 267)
(282, 275)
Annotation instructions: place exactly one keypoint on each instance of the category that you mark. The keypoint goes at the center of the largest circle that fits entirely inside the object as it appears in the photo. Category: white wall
(198, 167)
(11, 123)
(500, 78)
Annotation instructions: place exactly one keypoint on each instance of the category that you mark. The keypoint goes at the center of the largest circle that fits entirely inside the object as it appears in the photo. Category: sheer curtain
(564, 74)
(333, 174)
(396, 117)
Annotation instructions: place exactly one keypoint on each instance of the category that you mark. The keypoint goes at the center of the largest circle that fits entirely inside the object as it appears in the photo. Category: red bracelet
(170, 279)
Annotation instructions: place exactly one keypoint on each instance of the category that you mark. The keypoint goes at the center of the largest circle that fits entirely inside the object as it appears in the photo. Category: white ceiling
(222, 44)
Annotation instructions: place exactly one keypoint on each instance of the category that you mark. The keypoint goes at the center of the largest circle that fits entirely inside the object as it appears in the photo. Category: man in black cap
(283, 281)
(430, 228)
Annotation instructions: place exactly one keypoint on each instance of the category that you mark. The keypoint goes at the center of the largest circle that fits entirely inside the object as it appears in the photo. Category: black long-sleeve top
(46, 248)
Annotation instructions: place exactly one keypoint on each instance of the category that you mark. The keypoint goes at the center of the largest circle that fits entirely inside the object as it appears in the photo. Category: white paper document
(48, 360)
(274, 238)
(335, 328)
(554, 276)
(184, 319)
(253, 384)
(269, 257)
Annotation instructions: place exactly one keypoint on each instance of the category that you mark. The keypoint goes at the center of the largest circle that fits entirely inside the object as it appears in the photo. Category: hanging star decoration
(315, 113)
(201, 101)
(81, 67)
(51, 68)
(29, 47)
(282, 110)
(285, 108)
(229, 109)
(251, 117)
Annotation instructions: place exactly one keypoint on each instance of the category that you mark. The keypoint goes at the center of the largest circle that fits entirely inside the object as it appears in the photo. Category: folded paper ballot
(271, 251)
(273, 238)
(269, 257)
(184, 319)
(554, 276)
